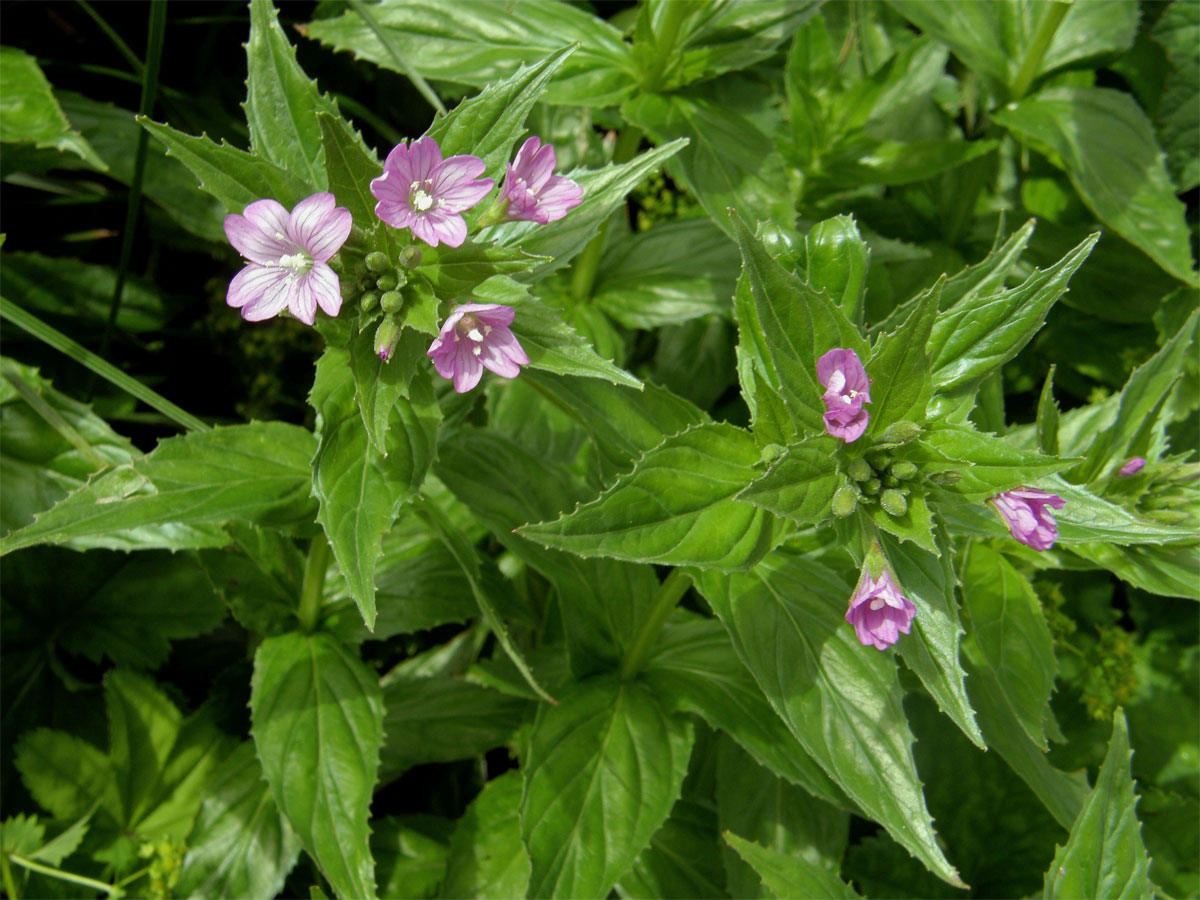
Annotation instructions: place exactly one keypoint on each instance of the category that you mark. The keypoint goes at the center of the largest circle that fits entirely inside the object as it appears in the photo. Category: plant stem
(10, 886)
(110, 889)
(664, 43)
(154, 47)
(313, 589)
(583, 270)
(1037, 49)
(410, 73)
(111, 34)
(669, 593)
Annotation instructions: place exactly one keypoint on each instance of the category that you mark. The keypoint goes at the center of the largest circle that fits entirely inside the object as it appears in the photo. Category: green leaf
(607, 762)
(282, 104)
(349, 169)
(549, 342)
(982, 331)
(833, 693)
(239, 846)
(1010, 637)
(489, 124)
(916, 525)
(1178, 126)
(836, 260)
(19, 834)
(801, 483)
(679, 861)
(899, 367)
(676, 507)
(795, 325)
(667, 274)
(726, 38)
(755, 805)
(1105, 856)
(729, 162)
(58, 848)
(487, 860)
(411, 851)
(1047, 417)
(604, 191)
(932, 650)
(234, 177)
(695, 669)
(68, 776)
(317, 724)
(443, 719)
(30, 114)
(988, 464)
(254, 473)
(1104, 142)
(1169, 571)
(476, 42)
(455, 272)
(789, 876)
(360, 491)
(896, 162)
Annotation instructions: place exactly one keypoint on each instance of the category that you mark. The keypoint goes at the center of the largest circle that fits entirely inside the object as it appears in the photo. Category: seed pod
(893, 502)
(860, 469)
(904, 470)
(376, 261)
(844, 501)
(391, 301)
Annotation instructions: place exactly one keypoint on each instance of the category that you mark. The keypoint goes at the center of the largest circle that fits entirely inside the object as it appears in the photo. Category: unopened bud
(871, 487)
(770, 453)
(386, 282)
(893, 502)
(391, 301)
(376, 261)
(904, 470)
(879, 460)
(386, 336)
(410, 256)
(860, 469)
(890, 480)
(901, 433)
(947, 478)
(844, 501)
(368, 301)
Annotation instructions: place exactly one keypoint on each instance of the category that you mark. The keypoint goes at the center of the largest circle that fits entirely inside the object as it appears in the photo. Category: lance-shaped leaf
(349, 169)
(679, 861)
(30, 112)
(932, 651)
(676, 507)
(455, 272)
(474, 42)
(1106, 144)
(841, 700)
(801, 483)
(252, 473)
(1009, 636)
(899, 367)
(981, 332)
(1105, 856)
(360, 491)
(282, 104)
(317, 723)
(602, 773)
(1048, 417)
(489, 124)
(790, 876)
(836, 261)
(797, 325)
(239, 846)
(1169, 571)
(234, 177)
(487, 860)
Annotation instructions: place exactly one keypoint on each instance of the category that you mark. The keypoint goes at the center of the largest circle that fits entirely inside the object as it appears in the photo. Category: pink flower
(878, 611)
(1025, 512)
(533, 192)
(287, 258)
(473, 337)
(847, 388)
(1133, 466)
(421, 191)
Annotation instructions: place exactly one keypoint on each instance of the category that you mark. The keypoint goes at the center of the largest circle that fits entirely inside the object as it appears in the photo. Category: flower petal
(325, 287)
(272, 302)
(260, 235)
(423, 157)
(251, 283)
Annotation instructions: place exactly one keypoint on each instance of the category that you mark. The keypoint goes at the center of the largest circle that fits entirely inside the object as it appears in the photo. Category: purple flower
(476, 335)
(878, 611)
(533, 192)
(1133, 466)
(1025, 512)
(847, 388)
(287, 258)
(427, 194)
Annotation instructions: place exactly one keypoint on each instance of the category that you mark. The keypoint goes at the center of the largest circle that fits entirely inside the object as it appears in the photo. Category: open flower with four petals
(474, 337)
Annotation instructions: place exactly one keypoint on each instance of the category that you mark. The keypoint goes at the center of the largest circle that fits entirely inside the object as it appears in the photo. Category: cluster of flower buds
(876, 478)
(287, 253)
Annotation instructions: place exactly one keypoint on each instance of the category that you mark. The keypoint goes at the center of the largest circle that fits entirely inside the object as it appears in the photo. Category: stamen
(877, 603)
(474, 335)
(476, 350)
(421, 201)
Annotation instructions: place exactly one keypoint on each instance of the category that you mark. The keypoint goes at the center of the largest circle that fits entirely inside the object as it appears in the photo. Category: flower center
(473, 330)
(878, 604)
(299, 263)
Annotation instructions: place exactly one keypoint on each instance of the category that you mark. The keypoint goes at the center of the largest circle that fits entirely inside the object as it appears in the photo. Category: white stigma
(297, 262)
(877, 604)
(421, 201)
(476, 350)
(474, 335)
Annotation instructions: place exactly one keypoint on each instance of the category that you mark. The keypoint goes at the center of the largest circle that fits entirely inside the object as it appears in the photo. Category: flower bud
(890, 480)
(770, 453)
(901, 433)
(391, 302)
(879, 460)
(871, 486)
(386, 282)
(947, 478)
(904, 470)
(860, 469)
(386, 336)
(376, 261)
(844, 501)
(368, 301)
(893, 503)
(410, 256)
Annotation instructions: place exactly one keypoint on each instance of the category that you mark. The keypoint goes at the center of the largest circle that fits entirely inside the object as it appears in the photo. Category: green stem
(111, 890)
(10, 886)
(107, 371)
(669, 593)
(154, 48)
(57, 422)
(312, 592)
(664, 43)
(1037, 49)
(122, 47)
(583, 270)
(412, 74)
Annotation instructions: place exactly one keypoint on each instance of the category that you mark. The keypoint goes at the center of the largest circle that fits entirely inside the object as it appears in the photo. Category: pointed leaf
(487, 860)
(31, 114)
(801, 483)
(1047, 417)
(349, 169)
(789, 876)
(899, 367)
